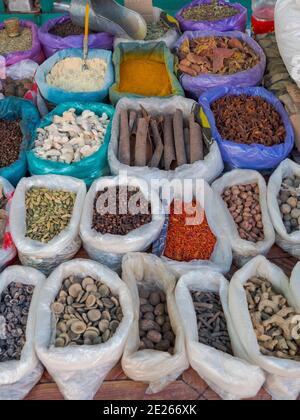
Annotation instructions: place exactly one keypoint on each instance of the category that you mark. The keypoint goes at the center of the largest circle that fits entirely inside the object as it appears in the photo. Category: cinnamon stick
(196, 141)
(124, 142)
(159, 148)
(141, 143)
(179, 138)
(169, 148)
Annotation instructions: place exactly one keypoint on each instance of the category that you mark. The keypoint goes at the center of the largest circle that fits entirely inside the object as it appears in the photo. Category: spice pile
(86, 312)
(68, 74)
(247, 119)
(289, 203)
(143, 76)
(10, 144)
(15, 303)
(187, 242)
(3, 215)
(209, 12)
(71, 138)
(217, 55)
(120, 210)
(243, 202)
(164, 141)
(17, 88)
(272, 319)
(156, 30)
(211, 321)
(65, 29)
(155, 329)
(23, 42)
(48, 213)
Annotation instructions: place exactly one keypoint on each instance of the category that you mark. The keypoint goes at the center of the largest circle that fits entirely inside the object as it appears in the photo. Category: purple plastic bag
(34, 54)
(234, 23)
(195, 86)
(52, 43)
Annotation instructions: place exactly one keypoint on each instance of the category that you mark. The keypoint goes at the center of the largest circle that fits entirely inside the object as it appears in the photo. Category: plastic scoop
(86, 37)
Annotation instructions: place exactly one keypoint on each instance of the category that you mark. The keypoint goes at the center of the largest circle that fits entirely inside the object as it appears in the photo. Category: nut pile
(209, 12)
(273, 320)
(244, 205)
(86, 312)
(155, 328)
(11, 139)
(211, 321)
(120, 210)
(216, 55)
(71, 138)
(15, 303)
(23, 42)
(247, 119)
(48, 212)
(17, 88)
(289, 203)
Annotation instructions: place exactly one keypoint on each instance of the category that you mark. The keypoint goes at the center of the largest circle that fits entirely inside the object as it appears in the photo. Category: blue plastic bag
(88, 169)
(19, 109)
(58, 96)
(195, 86)
(244, 156)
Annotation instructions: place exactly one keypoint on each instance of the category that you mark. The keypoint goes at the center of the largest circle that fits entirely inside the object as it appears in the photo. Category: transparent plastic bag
(109, 249)
(244, 250)
(155, 367)
(80, 370)
(18, 377)
(8, 250)
(64, 246)
(283, 376)
(229, 376)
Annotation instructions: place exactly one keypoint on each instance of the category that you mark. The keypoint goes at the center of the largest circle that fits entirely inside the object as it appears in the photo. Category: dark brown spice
(65, 29)
(10, 142)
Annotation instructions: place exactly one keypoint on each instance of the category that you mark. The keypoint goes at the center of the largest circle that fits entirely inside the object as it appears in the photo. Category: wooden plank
(191, 378)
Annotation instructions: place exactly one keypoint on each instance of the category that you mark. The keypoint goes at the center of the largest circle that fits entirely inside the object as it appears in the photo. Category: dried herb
(209, 12)
(156, 30)
(23, 42)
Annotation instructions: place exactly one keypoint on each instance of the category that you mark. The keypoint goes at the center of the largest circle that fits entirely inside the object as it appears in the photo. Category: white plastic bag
(229, 376)
(64, 246)
(80, 370)
(157, 368)
(110, 249)
(170, 38)
(8, 250)
(209, 168)
(221, 258)
(287, 29)
(283, 376)
(25, 69)
(288, 242)
(244, 250)
(17, 378)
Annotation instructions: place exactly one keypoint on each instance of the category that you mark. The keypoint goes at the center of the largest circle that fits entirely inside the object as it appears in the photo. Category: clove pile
(11, 139)
(164, 141)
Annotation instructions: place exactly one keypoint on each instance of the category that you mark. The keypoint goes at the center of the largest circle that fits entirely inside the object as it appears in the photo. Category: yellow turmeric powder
(144, 77)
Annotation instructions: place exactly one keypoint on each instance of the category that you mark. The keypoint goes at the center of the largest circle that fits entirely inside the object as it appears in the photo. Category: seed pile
(216, 55)
(71, 138)
(155, 328)
(23, 42)
(11, 139)
(48, 213)
(156, 30)
(3, 215)
(67, 28)
(15, 302)
(209, 12)
(164, 141)
(273, 320)
(211, 321)
(120, 210)
(289, 203)
(86, 312)
(244, 205)
(248, 120)
(16, 87)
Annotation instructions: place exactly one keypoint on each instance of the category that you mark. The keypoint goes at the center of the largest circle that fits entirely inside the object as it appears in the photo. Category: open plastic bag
(254, 156)
(88, 169)
(8, 250)
(283, 376)
(46, 256)
(288, 242)
(18, 109)
(80, 370)
(196, 86)
(234, 23)
(209, 168)
(155, 367)
(244, 250)
(221, 258)
(58, 96)
(230, 377)
(110, 249)
(18, 377)
(53, 43)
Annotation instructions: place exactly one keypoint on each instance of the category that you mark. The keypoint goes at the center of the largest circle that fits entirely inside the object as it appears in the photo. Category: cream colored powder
(68, 75)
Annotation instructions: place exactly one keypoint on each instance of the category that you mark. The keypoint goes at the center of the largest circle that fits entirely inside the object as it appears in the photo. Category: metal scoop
(106, 16)
(86, 37)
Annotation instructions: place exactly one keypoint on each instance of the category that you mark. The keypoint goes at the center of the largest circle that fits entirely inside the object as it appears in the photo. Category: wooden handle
(86, 26)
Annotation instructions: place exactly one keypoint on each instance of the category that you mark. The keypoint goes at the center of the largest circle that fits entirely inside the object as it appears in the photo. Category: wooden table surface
(188, 387)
